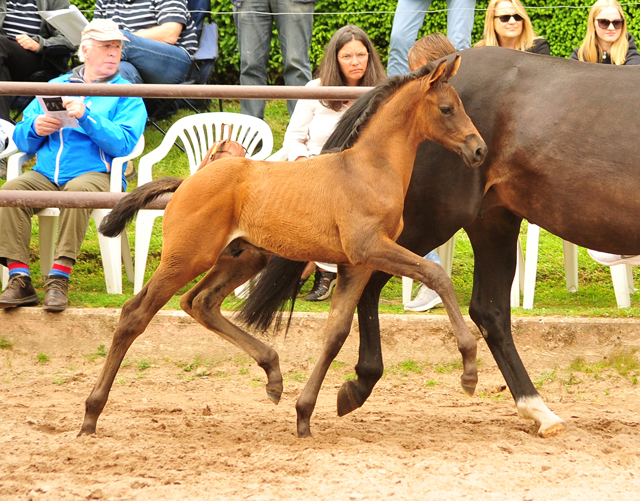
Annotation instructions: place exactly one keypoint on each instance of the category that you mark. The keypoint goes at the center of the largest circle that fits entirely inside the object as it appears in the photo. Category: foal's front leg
(351, 282)
(386, 255)
(204, 300)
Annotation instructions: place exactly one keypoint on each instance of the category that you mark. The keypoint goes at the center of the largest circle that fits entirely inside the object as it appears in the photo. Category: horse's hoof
(274, 395)
(469, 388)
(555, 430)
(304, 431)
(347, 401)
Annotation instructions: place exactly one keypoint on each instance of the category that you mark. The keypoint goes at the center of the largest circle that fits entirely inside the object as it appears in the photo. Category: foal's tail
(278, 283)
(125, 210)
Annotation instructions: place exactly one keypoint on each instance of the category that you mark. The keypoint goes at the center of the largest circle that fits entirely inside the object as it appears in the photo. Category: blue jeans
(153, 62)
(433, 256)
(254, 28)
(407, 23)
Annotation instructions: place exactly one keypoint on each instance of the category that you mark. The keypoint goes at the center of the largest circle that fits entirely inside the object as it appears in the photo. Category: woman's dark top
(633, 56)
(540, 46)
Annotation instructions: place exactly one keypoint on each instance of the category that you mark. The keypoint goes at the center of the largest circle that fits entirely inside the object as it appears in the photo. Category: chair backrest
(197, 134)
(199, 10)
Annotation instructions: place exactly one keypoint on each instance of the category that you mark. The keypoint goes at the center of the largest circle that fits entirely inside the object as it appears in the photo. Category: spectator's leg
(460, 16)
(254, 23)
(15, 223)
(16, 64)
(406, 25)
(156, 62)
(295, 28)
(73, 223)
(129, 72)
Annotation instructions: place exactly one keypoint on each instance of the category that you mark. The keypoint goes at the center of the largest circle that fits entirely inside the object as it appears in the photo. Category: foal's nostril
(480, 153)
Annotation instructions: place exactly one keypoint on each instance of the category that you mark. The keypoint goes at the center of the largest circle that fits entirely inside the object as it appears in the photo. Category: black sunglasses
(505, 19)
(605, 23)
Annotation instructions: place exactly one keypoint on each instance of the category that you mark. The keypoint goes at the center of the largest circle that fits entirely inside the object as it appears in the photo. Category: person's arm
(119, 135)
(25, 135)
(633, 56)
(167, 33)
(541, 46)
(49, 36)
(297, 134)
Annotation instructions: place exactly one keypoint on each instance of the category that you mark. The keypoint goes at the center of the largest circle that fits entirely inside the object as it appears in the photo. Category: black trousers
(18, 65)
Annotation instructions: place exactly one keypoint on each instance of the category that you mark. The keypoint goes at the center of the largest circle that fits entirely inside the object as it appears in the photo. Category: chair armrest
(15, 163)
(118, 163)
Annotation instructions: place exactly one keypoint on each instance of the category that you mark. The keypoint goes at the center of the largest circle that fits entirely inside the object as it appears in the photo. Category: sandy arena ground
(209, 432)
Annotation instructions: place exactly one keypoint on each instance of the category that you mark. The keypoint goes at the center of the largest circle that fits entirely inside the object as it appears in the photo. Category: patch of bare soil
(203, 428)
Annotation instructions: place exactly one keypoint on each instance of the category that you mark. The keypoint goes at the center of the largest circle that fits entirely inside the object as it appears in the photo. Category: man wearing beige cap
(69, 159)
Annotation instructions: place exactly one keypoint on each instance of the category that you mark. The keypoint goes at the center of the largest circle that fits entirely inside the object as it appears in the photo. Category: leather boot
(324, 283)
(55, 294)
(19, 292)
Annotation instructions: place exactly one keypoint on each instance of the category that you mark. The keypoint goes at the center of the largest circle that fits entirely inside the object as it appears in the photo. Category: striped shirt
(134, 15)
(22, 17)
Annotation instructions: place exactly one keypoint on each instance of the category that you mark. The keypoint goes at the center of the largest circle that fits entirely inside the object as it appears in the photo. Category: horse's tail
(125, 210)
(278, 283)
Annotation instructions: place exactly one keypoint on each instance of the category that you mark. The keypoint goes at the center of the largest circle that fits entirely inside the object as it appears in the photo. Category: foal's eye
(446, 110)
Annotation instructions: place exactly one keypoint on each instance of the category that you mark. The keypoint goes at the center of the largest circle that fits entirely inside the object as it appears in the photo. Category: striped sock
(18, 268)
(59, 270)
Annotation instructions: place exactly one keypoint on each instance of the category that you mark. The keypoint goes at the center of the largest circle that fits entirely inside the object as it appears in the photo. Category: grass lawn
(595, 296)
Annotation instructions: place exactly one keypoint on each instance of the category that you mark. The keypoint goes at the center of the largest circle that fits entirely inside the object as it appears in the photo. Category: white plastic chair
(445, 252)
(197, 133)
(113, 251)
(531, 265)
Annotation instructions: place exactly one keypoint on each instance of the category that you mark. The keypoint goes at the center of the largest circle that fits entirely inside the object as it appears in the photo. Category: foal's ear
(433, 77)
(452, 67)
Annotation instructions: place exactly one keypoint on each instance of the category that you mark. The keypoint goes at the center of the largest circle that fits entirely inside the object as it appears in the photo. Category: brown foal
(343, 208)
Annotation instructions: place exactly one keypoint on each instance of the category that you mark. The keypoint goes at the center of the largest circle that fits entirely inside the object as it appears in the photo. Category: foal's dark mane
(358, 115)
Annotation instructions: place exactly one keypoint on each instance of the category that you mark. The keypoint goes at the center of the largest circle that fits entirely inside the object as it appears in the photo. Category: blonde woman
(607, 40)
(508, 25)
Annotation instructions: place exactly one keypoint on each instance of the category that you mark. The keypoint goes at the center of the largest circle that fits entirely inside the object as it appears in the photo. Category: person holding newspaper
(69, 159)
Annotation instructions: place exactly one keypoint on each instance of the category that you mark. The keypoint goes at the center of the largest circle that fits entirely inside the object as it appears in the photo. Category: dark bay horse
(563, 154)
(230, 216)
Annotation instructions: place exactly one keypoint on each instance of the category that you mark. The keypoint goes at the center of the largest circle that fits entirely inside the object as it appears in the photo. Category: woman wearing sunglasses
(508, 25)
(607, 40)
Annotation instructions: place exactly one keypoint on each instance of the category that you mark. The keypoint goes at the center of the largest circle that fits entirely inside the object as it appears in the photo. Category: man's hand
(45, 125)
(27, 43)
(75, 106)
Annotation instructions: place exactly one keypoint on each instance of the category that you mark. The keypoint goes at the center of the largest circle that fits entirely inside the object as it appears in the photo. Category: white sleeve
(297, 135)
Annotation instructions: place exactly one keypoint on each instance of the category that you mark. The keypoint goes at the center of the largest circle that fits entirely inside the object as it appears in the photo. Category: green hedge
(564, 27)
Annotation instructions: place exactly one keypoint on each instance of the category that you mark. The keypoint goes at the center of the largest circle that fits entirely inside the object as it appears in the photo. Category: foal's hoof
(555, 430)
(348, 400)
(469, 387)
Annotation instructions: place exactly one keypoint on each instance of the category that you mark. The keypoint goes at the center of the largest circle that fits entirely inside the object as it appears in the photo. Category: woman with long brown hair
(350, 59)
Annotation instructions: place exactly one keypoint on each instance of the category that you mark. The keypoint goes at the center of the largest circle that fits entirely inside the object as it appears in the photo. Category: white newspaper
(52, 107)
(70, 22)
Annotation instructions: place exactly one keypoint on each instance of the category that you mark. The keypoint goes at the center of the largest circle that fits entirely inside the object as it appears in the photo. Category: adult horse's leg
(351, 282)
(238, 263)
(388, 256)
(136, 315)
(370, 367)
(494, 239)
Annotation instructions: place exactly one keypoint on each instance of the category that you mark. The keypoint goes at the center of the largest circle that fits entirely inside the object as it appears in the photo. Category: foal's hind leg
(136, 315)
(351, 282)
(204, 300)
(385, 255)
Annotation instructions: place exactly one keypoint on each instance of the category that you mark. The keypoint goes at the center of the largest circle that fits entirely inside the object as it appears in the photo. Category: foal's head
(443, 117)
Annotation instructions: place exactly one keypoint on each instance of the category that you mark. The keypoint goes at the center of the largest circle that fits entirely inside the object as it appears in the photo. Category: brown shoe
(19, 292)
(55, 294)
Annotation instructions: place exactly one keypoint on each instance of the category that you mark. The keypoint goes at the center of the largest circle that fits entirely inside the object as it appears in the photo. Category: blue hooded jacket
(110, 127)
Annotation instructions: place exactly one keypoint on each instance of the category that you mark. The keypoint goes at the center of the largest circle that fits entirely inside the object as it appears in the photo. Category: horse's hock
(417, 337)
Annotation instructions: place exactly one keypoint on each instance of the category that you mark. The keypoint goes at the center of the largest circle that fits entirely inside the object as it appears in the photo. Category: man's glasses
(505, 18)
(361, 56)
(108, 46)
(605, 23)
